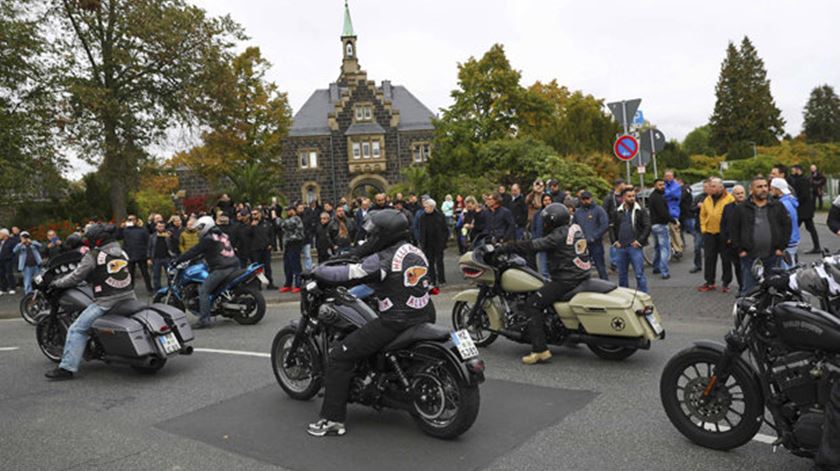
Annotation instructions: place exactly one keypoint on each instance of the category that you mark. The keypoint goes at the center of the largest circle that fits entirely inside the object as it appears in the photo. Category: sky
(666, 52)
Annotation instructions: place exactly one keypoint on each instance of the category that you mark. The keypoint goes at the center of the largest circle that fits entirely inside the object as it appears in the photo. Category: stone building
(354, 137)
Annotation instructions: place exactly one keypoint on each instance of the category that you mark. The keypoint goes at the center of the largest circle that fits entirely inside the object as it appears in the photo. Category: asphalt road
(112, 418)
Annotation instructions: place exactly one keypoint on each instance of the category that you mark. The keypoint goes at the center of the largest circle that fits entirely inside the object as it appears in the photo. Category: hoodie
(791, 204)
(673, 195)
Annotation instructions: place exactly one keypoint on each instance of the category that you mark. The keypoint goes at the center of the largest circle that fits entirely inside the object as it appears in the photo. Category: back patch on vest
(402, 253)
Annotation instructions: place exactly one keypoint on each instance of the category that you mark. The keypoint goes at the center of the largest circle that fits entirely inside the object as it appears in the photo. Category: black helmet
(385, 228)
(100, 234)
(73, 241)
(554, 216)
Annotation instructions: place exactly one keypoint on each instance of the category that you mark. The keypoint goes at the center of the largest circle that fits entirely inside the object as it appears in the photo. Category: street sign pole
(624, 123)
(653, 154)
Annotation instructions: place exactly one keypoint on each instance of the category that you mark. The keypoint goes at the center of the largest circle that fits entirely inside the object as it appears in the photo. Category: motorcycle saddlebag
(123, 336)
(178, 318)
(614, 313)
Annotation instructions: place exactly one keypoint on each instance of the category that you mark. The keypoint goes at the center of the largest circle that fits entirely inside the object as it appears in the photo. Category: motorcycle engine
(189, 294)
(363, 389)
(795, 376)
(515, 317)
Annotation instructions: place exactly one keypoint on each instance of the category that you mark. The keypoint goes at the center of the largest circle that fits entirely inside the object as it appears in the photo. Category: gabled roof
(311, 119)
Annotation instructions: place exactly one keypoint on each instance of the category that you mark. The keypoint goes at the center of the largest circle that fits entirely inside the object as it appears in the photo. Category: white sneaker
(11, 291)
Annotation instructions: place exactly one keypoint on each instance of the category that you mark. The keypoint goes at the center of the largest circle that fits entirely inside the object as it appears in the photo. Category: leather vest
(569, 261)
(404, 291)
(111, 275)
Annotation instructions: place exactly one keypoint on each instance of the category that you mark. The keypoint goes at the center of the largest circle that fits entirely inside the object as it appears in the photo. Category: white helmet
(204, 224)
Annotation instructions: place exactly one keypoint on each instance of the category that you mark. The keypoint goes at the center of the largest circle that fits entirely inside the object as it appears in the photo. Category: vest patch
(385, 304)
(581, 264)
(403, 252)
(418, 303)
(580, 246)
(413, 275)
(227, 249)
(115, 266)
(570, 236)
(118, 283)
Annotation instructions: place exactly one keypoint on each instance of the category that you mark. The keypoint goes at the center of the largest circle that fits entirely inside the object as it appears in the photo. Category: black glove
(780, 282)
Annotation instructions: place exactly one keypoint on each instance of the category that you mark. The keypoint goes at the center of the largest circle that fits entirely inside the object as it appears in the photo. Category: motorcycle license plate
(654, 324)
(262, 279)
(169, 343)
(465, 344)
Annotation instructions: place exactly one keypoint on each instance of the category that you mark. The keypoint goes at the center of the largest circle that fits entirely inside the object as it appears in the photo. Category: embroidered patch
(101, 258)
(227, 249)
(580, 246)
(115, 266)
(418, 303)
(118, 283)
(413, 275)
(570, 236)
(385, 304)
(581, 264)
(404, 251)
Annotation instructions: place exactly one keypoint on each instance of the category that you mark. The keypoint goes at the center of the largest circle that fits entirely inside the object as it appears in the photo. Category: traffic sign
(626, 147)
(640, 169)
(624, 111)
(639, 118)
(653, 140)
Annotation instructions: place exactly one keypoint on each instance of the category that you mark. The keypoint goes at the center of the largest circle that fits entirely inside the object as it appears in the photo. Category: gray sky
(666, 52)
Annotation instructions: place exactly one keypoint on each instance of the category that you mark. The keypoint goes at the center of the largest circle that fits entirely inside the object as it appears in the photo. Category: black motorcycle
(782, 355)
(428, 371)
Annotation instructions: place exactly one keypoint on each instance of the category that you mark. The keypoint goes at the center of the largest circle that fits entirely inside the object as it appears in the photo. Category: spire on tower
(348, 23)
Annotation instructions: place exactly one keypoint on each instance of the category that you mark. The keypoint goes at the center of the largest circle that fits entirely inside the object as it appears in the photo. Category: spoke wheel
(33, 307)
(477, 327)
(298, 372)
(51, 333)
(716, 415)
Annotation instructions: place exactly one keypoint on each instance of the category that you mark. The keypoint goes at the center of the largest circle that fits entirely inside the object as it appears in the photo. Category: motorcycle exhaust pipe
(575, 337)
(188, 350)
(511, 334)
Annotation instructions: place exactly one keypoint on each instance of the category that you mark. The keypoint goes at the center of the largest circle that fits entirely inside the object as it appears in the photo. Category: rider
(105, 268)
(221, 259)
(569, 265)
(397, 271)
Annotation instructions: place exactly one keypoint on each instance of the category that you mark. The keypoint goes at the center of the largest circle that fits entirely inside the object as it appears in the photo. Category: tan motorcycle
(613, 322)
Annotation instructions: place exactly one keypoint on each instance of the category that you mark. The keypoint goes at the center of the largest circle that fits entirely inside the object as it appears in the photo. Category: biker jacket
(567, 250)
(216, 249)
(106, 269)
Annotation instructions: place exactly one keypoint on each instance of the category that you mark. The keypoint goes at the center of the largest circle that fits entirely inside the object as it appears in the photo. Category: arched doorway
(367, 185)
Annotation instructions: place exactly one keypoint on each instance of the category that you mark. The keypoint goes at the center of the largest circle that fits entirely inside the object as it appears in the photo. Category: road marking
(8, 349)
(760, 437)
(16, 319)
(233, 352)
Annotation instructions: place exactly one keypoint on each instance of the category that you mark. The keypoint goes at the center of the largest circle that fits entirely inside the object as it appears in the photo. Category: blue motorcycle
(238, 297)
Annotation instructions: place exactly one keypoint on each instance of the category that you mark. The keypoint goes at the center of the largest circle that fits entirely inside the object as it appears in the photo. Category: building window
(366, 150)
(363, 113)
(421, 151)
(366, 147)
(349, 49)
(308, 158)
(375, 147)
(357, 150)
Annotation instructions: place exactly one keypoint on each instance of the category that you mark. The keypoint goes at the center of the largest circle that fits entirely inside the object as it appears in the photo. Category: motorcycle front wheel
(720, 416)
(51, 333)
(33, 307)
(298, 372)
(253, 298)
(477, 328)
(445, 405)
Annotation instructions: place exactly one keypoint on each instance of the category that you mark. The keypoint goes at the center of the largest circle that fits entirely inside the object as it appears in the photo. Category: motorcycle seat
(232, 276)
(127, 308)
(417, 333)
(592, 285)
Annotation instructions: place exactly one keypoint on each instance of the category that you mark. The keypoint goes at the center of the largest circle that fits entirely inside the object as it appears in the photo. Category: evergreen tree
(698, 142)
(744, 107)
(822, 115)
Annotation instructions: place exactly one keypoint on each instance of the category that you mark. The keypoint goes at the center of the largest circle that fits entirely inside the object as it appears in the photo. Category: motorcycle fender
(448, 349)
(490, 307)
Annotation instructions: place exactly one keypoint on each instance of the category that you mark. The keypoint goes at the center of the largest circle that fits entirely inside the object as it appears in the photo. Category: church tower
(350, 62)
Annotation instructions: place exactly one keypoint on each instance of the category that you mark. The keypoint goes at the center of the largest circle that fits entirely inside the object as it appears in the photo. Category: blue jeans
(28, 274)
(77, 337)
(307, 257)
(205, 293)
(626, 256)
(662, 248)
(690, 226)
(159, 265)
(747, 280)
(542, 265)
(596, 251)
(361, 291)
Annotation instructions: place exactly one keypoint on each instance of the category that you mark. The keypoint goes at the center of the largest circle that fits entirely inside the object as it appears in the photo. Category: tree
(698, 141)
(251, 182)
(822, 115)
(134, 69)
(673, 155)
(29, 164)
(744, 108)
(576, 122)
(250, 119)
(489, 104)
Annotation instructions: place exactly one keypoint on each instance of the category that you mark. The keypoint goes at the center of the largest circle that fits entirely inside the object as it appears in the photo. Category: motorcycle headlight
(758, 271)
(39, 279)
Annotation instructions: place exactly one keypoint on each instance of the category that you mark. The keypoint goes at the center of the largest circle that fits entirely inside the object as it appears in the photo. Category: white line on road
(233, 352)
(16, 319)
(8, 349)
(760, 437)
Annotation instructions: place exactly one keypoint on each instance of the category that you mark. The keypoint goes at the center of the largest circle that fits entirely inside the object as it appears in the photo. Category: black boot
(59, 374)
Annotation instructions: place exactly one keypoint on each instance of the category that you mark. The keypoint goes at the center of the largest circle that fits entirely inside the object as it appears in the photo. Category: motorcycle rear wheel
(731, 415)
(51, 334)
(445, 406)
(302, 379)
(255, 300)
(611, 352)
(480, 337)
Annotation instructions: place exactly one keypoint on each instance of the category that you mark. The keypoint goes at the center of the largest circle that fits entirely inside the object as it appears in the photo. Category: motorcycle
(428, 371)
(131, 333)
(783, 355)
(238, 297)
(613, 322)
(34, 306)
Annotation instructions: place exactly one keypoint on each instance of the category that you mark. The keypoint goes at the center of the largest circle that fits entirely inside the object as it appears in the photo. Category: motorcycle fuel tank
(76, 299)
(197, 273)
(517, 280)
(805, 328)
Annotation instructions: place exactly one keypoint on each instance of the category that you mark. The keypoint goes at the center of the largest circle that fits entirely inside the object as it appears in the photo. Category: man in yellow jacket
(711, 212)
